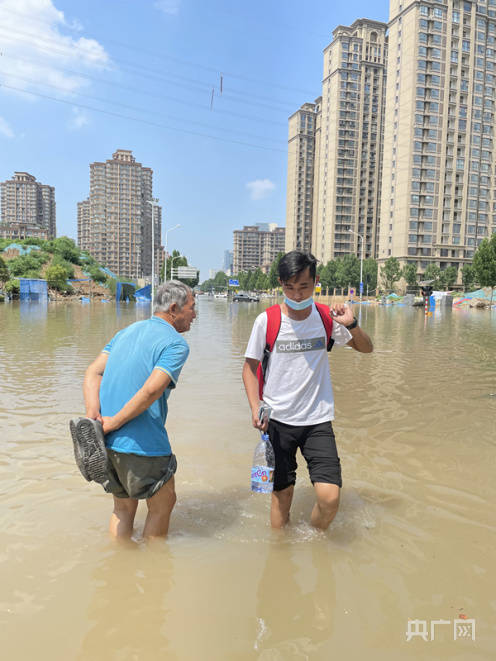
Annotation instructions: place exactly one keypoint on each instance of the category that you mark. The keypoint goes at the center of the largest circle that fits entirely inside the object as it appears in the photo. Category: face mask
(298, 305)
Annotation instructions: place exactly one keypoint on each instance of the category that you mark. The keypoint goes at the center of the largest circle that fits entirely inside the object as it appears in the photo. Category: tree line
(482, 271)
(344, 272)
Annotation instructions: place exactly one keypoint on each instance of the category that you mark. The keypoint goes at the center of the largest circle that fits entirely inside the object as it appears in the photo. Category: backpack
(273, 327)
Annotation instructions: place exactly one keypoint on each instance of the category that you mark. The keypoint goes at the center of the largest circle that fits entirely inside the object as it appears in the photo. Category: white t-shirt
(297, 381)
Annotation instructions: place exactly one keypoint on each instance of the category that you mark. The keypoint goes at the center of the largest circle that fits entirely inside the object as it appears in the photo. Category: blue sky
(112, 62)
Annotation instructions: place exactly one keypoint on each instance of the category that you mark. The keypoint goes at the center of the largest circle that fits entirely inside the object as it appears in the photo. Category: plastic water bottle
(262, 471)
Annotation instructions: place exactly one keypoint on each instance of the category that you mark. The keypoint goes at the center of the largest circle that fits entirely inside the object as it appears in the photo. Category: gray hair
(168, 293)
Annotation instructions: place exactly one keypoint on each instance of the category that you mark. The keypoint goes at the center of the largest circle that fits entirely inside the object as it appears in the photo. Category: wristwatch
(353, 324)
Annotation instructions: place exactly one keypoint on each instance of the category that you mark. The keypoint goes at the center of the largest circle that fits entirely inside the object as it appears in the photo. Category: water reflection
(129, 610)
(296, 599)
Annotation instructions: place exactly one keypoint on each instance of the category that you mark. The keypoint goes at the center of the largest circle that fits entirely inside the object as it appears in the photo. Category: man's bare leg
(280, 506)
(326, 507)
(122, 519)
(159, 510)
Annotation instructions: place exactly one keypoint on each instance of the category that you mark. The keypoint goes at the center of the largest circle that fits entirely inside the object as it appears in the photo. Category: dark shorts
(318, 446)
(137, 476)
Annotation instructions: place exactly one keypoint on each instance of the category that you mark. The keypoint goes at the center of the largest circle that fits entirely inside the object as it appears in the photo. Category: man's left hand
(342, 314)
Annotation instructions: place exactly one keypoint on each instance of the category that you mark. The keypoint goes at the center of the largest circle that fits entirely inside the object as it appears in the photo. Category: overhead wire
(136, 108)
(174, 58)
(147, 72)
(144, 91)
(137, 119)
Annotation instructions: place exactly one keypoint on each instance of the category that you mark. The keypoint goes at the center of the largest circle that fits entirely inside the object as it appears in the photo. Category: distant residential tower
(27, 208)
(115, 222)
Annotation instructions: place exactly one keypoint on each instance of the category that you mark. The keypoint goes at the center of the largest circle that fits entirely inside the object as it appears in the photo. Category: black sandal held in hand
(89, 449)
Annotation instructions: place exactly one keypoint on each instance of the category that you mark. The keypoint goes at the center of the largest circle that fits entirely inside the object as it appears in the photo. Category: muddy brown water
(411, 551)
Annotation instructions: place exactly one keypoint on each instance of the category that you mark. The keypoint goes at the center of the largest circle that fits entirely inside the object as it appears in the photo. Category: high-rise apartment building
(227, 264)
(256, 246)
(115, 222)
(300, 182)
(349, 151)
(438, 199)
(28, 208)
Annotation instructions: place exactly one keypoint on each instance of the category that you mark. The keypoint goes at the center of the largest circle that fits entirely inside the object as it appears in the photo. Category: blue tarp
(23, 250)
(108, 272)
(481, 293)
(143, 294)
(123, 290)
(32, 290)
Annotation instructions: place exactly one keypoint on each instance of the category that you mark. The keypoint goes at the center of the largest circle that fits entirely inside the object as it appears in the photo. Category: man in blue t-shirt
(127, 388)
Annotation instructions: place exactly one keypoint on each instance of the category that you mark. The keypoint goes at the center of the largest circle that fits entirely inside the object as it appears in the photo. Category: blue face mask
(298, 305)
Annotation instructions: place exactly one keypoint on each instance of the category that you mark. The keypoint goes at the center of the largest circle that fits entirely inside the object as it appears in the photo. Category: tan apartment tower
(28, 208)
(300, 182)
(348, 143)
(256, 246)
(438, 200)
(115, 222)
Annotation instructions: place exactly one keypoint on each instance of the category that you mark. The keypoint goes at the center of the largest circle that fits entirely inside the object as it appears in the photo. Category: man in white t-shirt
(297, 386)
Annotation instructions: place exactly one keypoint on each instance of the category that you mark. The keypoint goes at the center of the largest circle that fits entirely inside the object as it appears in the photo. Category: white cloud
(35, 41)
(260, 188)
(78, 120)
(5, 129)
(170, 7)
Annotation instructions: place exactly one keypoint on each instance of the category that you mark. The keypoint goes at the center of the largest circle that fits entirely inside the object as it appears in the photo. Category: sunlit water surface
(414, 538)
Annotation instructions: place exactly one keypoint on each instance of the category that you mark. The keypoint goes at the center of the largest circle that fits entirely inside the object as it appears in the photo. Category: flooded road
(414, 539)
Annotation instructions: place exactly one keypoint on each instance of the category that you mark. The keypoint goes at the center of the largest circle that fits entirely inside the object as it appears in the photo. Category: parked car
(243, 297)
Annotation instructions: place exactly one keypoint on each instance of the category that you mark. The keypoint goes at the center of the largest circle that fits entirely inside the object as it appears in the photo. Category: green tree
(369, 274)
(273, 272)
(327, 274)
(243, 278)
(433, 272)
(348, 271)
(96, 275)
(12, 288)
(469, 277)
(221, 280)
(255, 276)
(250, 280)
(448, 277)
(409, 273)
(65, 248)
(390, 273)
(485, 263)
(22, 265)
(58, 260)
(262, 281)
(56, 277)
(4, 272)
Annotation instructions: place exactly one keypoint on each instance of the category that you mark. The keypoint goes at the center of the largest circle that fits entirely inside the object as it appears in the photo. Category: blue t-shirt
(133, 353)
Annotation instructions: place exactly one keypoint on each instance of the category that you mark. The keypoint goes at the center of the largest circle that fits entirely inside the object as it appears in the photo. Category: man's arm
(360, 341)
(251, 386)
(151, 390)
(91, 386)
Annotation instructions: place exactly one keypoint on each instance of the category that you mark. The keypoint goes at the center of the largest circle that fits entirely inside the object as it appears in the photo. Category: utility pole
(154, 203)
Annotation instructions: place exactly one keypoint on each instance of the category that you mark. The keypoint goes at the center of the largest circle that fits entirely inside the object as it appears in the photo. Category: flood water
(414, 539)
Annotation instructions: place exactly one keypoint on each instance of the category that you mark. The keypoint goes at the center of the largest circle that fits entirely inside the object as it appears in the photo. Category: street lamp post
(361, 263)
(166, 253)
(154, 203)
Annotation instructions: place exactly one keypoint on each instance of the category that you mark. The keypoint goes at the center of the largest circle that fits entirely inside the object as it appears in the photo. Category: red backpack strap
(273, 327)
(325, 315)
